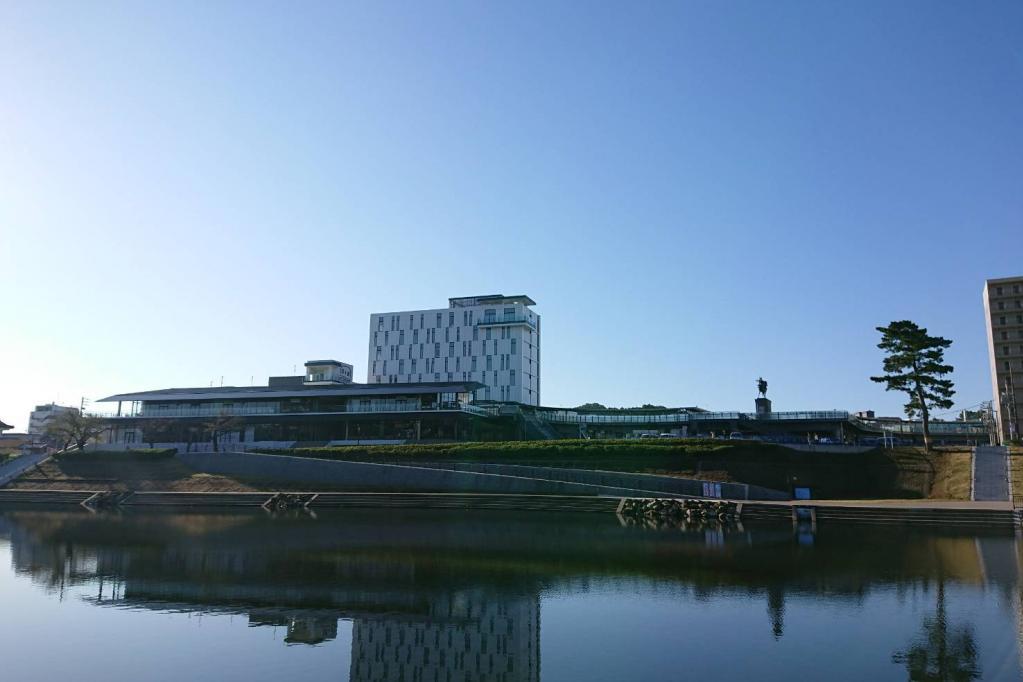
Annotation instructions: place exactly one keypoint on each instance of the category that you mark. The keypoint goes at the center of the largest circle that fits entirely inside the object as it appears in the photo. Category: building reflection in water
(468, 637)
(441, 596)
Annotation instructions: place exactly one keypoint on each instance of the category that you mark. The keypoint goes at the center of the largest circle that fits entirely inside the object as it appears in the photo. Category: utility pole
(1009, 413)
(987, 415)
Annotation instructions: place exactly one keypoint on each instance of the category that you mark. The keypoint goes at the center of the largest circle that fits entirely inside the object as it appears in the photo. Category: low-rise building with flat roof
(320, 407)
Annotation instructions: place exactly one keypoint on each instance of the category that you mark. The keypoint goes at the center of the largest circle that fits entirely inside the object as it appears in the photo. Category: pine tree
(916, 366)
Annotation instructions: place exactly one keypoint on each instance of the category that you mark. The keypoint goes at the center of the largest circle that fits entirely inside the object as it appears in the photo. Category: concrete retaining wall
(389, 477)
(660, 484)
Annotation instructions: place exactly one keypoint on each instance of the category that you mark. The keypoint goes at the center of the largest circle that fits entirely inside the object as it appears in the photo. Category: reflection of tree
(942, 653)
(776, 610)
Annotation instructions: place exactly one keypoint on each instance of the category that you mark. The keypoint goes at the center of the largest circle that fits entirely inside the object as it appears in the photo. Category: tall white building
(494, 340)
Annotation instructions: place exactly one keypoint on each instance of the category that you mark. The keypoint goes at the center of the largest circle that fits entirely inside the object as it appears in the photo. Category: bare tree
(157, 431)
(221, 425)
(74, 427)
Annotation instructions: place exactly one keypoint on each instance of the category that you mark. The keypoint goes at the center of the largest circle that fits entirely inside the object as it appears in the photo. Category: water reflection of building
(430, 595)
(300, 629)
(470, 637)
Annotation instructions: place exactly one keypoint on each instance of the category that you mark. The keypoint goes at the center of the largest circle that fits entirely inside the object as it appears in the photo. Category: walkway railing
(936, 428)
(568, 417)
(276, 410)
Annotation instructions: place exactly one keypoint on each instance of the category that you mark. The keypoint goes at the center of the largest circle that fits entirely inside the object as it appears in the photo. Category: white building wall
(460, 344)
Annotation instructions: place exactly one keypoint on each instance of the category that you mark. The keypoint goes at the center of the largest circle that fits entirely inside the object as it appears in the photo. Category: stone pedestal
(763, 407)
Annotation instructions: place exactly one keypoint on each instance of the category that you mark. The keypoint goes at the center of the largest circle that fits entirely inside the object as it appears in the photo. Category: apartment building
(493, 340)
(40, 417)
(1003, 314)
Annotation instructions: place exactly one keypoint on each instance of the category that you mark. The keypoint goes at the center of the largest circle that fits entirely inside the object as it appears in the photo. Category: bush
(141, 455)
(512, 451)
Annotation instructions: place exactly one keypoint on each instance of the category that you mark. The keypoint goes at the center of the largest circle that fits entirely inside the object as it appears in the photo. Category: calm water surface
(455, 596)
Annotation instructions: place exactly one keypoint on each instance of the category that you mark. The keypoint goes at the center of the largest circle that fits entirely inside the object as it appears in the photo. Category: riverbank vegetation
(906, 472)
(902, 473)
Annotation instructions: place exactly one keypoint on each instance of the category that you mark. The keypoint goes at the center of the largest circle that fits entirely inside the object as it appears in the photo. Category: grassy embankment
(905, 473)
(878, 474)
(1016, 465)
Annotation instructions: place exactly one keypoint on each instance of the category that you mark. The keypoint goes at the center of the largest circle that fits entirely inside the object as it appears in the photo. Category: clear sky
(696, 194)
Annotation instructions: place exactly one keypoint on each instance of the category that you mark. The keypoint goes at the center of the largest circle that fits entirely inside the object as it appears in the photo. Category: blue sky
(696, 194)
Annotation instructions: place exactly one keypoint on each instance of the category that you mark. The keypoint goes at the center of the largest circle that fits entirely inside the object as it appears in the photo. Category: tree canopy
(915, 365)
(72, 426)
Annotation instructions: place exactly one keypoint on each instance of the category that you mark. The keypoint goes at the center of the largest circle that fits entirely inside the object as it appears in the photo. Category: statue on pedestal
(762, 387)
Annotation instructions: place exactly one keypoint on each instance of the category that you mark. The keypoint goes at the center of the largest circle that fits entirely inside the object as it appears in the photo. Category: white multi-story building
(41, 416)
(494, 340)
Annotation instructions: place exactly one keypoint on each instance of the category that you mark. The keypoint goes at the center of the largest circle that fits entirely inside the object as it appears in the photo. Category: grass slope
(879, 474)
(899, 473)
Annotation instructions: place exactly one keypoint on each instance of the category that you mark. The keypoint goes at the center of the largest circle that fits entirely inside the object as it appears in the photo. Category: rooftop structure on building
(491, 339)
(1003, 316)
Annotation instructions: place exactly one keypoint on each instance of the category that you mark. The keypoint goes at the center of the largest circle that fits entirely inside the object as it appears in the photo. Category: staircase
(990, 473)
(979, 518)
(536, 428)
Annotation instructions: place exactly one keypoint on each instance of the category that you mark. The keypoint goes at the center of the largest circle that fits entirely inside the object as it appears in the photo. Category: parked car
(736, 435)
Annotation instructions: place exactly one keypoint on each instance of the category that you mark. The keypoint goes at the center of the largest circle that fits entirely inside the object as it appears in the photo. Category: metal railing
(276, 409)
(566, 417)
(572, 418)
(496, 321)
(915, 427)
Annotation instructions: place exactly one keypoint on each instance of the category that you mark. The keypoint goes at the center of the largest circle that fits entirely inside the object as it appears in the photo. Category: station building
(321, 407)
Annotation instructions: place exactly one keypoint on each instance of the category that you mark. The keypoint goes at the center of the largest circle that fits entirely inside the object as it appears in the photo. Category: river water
(430, 595)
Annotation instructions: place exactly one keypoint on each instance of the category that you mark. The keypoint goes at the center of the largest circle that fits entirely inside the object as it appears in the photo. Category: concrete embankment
(671, 485)
(979, 517)
(366, 476)
(923, 512)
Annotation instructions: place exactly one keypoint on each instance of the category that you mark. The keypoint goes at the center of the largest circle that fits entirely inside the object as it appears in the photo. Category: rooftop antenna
(221, 380)
(252, 379)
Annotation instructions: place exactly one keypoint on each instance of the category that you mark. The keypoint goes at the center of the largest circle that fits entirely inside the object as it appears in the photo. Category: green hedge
(554, 449)
(140, 455)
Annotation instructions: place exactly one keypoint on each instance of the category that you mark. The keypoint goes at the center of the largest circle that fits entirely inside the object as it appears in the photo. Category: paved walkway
(19, 465)
(990, 473)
